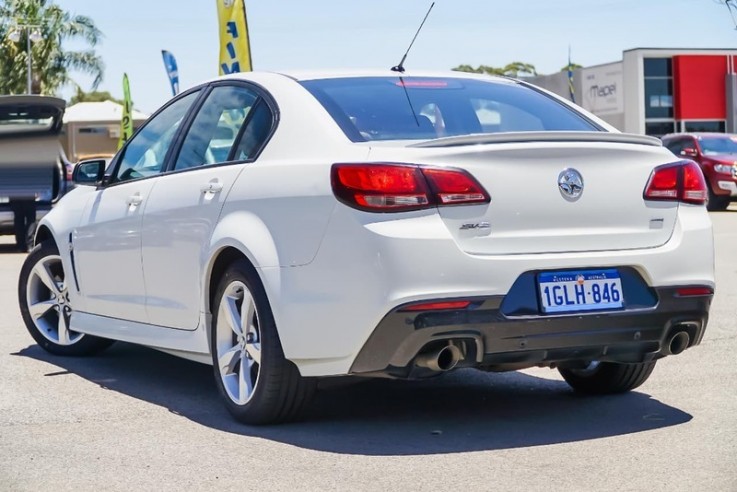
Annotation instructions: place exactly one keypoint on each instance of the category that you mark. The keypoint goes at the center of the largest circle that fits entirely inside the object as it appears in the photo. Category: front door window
(145, 155)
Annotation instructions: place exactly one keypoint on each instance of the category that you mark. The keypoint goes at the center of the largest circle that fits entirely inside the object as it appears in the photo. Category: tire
(44, 305)
(604, 378)
(271, 389)
(716, 203)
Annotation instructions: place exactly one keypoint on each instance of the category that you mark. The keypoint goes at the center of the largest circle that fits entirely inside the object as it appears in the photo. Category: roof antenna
(400, 68)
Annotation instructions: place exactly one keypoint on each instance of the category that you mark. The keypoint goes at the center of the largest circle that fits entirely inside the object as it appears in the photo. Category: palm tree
(51, 63)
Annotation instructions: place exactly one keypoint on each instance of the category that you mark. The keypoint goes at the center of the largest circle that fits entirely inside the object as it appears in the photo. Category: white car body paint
(331, 273)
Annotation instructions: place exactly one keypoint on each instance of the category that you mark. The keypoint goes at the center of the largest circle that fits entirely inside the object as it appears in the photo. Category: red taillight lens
(452, 186)
(694, 291)
(402, 187)
(682, 181)
(387, 187)
(437, 306)
(694, 184)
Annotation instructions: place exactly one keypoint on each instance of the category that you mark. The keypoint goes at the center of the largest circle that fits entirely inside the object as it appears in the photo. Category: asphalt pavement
(136, 419)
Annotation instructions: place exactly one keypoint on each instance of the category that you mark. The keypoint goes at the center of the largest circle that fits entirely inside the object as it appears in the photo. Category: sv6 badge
(475, 226)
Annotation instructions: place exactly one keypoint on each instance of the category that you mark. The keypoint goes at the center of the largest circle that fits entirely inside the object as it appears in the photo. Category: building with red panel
(657, 91)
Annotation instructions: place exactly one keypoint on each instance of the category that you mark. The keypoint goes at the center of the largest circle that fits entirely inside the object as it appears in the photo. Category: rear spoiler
(522, 137)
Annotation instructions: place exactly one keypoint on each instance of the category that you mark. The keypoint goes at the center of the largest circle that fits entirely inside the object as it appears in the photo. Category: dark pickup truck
(34, 172)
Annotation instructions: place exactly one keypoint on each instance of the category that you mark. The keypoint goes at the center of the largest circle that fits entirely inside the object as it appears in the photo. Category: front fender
(65, 216)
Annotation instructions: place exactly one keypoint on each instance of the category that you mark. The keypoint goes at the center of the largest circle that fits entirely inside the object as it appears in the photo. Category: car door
(107, 243)
(185, 205)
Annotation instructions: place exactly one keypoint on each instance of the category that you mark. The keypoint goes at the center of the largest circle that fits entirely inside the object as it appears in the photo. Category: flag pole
(571, 89)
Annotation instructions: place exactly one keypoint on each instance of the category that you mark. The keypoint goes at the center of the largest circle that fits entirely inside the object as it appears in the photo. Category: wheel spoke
(43, 273)
(39, 309)
(254, 350)
(229, 359)
(63, 329)
(232, 316)
(248, 309)
(245, 385)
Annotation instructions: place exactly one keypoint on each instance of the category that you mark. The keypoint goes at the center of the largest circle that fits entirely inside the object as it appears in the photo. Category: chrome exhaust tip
(440, 360)
(678, 343)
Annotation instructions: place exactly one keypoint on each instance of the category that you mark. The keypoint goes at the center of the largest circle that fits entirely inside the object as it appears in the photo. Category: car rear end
(32, 166)
(493, 226)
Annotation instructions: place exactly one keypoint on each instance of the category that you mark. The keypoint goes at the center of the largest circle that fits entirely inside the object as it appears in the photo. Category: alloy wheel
(47, 297)
(238, 343)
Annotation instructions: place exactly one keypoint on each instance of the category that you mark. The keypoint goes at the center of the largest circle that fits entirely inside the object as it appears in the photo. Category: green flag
(126, 122)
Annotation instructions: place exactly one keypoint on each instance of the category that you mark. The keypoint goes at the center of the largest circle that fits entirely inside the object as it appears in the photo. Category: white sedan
(285, 227)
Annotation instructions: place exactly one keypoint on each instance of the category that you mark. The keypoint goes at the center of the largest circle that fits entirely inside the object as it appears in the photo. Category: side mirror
(690, 152)
(90, 173)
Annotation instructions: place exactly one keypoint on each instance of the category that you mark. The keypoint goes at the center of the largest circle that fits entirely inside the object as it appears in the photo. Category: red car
(716, 154)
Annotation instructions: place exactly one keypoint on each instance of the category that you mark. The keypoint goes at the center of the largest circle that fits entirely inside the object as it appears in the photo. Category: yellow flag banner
(126, 122)
(235, 48)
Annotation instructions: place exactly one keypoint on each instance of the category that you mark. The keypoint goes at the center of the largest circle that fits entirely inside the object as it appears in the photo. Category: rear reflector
(694, 291)
(681, 181)
(437, 306)
(402, 187)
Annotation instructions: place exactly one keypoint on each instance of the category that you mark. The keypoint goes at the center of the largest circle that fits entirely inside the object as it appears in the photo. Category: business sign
(601, 89)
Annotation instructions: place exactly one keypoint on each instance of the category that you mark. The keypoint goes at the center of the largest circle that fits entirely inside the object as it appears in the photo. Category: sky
(299, 34)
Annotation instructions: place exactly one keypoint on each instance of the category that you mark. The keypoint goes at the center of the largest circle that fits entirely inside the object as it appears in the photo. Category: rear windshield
(379, 108)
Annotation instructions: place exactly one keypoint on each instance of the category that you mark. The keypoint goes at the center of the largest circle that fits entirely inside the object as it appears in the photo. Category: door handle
(212, 187)
(134, 200)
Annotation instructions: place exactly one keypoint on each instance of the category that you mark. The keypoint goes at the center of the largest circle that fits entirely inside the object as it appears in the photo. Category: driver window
(145, 154)
(676, 147)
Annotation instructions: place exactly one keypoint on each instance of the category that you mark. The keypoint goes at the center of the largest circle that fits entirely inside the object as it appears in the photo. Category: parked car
(375, 225)
(34, 173)
(716, 154)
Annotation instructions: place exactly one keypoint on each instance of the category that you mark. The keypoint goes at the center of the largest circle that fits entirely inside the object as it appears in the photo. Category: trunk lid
(29, 146)
(529, 212)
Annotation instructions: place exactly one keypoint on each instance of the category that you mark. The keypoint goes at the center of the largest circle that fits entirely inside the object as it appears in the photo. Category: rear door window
(216, 127)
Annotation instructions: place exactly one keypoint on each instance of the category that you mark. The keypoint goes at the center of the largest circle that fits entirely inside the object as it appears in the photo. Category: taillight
(403, 187)
(681, 181)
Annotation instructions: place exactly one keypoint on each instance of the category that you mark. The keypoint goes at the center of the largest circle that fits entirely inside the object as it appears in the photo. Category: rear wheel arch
(221, 261)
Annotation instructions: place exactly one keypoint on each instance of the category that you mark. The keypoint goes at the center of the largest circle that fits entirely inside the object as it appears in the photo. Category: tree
(573, 66)
(514, 69)
(51, 63)
(731, 7)
(92, 96)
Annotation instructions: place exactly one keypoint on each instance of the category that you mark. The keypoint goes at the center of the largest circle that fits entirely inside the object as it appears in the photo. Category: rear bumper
(327, 310)
(491, 339)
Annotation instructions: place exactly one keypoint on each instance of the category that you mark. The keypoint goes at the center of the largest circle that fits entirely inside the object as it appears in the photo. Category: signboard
(601, 89)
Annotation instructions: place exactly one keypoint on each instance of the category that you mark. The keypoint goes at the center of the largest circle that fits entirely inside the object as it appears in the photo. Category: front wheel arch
(43, 234)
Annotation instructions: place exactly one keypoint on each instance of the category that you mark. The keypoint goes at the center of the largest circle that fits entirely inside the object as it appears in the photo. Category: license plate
(580, 291)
